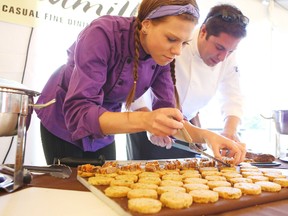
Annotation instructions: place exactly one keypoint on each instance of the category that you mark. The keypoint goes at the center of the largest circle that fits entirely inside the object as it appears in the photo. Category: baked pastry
(282, 181)
(147, 174)
(228, 192)
(150, 180)
(201, 169)
(113, 175)
(230, 175)
(259, 157)
(228, 169)
(152, 166)
(100, 180)
(144, 205)
(269, 186)
(272, 171)
(258, 178)
(176, 200)
(174, 177)
(213, 184)
(195, 181)
(206, 162)
(204, 196)
(117, 191)
(131, 167)
(255, 173)
(192, 171)
(248, 188)
(107, 170)
(144, 186)
(240, 180)
(162, 172)
(190, 187)
(141, 192)
(173, 165)
(111, 163)
(191, 175)
(171, 182)
(134, 178)
(189, 164)
(206, 173)
(87, 170)
(215, 178)
(248, 166)
(249, 170)
(128, 172)
(121, 182)
(163, 189)
(272, 175)
(227, 160)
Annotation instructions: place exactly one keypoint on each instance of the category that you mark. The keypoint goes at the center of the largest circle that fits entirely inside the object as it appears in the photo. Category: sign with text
(68, 12)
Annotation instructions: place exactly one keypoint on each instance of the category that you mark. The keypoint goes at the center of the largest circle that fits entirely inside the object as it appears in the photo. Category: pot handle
(40, 106)
(266, 117)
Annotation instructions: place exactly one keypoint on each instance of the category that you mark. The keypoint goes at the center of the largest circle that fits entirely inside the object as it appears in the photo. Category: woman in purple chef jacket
(113, 62)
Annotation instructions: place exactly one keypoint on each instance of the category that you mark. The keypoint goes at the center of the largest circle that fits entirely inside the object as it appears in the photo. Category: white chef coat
(197, 83)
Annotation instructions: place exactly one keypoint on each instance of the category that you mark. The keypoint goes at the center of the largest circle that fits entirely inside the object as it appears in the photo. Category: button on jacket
(97, 78)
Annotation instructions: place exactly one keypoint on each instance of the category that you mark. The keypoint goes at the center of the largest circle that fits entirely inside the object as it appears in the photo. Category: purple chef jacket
(97, 78)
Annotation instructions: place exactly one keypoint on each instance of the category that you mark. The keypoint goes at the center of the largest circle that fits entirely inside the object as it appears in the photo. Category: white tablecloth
(52, 202)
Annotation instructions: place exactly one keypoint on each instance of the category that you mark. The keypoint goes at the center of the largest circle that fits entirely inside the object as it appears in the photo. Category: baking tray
(120, 205)
(266, 164)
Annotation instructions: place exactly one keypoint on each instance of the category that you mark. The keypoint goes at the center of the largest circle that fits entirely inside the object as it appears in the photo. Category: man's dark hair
(226, 18)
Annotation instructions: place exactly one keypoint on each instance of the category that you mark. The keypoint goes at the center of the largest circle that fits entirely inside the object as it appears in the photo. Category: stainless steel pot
(15, 100)
(16, 106)
(281, 121)
(280, 118)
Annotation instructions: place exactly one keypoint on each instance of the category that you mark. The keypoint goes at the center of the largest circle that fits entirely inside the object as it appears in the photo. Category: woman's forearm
(161, 122)
(122, 122)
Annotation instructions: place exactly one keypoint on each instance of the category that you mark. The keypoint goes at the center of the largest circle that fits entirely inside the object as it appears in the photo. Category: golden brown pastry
(259, 157)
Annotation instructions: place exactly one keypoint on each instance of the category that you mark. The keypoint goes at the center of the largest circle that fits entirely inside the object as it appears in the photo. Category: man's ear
(203, 29)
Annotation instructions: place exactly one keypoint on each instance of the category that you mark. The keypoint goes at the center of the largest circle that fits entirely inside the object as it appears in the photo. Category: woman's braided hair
(144, 10)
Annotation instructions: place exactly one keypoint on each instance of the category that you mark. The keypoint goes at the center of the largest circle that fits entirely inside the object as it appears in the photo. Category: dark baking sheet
(222, 205)
(266, 164)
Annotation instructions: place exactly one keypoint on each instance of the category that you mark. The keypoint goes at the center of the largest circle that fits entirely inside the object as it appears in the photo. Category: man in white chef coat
(206, 66)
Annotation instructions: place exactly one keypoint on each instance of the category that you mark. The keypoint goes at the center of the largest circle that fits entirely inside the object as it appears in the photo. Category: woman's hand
(231, 148)
(163, 122)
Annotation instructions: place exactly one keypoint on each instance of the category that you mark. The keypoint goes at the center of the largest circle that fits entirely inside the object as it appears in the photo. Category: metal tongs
(55, 170)
(193, 146)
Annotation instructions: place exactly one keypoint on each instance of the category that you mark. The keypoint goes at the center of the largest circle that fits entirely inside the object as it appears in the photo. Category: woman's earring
(144, 32)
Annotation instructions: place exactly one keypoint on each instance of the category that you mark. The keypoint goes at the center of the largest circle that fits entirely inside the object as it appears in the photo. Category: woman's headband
(173, 10)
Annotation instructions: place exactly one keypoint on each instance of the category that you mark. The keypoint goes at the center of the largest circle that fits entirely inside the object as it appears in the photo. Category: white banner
(68, 12)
